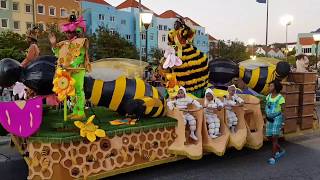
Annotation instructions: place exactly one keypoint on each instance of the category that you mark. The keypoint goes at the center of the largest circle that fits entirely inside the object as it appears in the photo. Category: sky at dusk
(243, 19)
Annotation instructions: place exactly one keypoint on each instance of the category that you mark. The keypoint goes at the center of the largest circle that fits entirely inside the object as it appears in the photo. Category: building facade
(16, 15)
(306, 44)
(54, 11)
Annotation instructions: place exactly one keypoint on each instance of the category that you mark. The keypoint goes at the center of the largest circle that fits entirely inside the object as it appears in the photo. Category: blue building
(125, 20)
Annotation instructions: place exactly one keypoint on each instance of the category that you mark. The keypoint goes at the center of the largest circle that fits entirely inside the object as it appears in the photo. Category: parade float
(126, 124)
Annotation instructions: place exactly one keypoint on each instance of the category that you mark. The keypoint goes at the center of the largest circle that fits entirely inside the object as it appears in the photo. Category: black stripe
(148, 92)
(129, 92)
(203, 64)
(262, 79)
(189, 52)
(193, 85)
(107, 91)
(194, 75)
(88, 86)
(153, 111)
(194, 58)
(247, 76)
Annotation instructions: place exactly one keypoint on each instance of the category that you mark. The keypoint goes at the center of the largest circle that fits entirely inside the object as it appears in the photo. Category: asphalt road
(302, 161)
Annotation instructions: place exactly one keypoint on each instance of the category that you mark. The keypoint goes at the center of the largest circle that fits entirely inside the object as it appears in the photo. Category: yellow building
(22, 15)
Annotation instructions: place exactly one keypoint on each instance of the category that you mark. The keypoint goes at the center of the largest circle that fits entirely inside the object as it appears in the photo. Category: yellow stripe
(119, 90)
(140, 88)
(148, 108)
(270, 78)
(241, 72)
(159, 111)
(96, 92)
(155, 93)
(254, 78)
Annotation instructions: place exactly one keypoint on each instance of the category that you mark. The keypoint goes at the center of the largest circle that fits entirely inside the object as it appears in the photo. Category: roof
(211, 38)
(99, 2)
(306, 41)
(170, 14)
(132, 4)
(192, 21)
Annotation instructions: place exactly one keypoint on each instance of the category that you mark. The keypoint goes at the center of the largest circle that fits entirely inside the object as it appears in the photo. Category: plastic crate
(292, 99)
(291, 111)
(306, 122)
(297, 77)
(291, 125)
(308, 98)
(307, 109)
(290, 87)
(308, 87)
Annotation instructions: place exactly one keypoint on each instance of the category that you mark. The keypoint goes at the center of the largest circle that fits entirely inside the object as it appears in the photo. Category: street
(302, 161)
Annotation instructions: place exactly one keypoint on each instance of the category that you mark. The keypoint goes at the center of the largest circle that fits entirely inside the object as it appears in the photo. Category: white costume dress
(212, 118)
(182, 103)
(231, 116)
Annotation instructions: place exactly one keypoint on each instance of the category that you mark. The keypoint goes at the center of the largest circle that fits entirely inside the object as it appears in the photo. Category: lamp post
(252, 42)
(316, 38)
(286, 21)
(146, 18)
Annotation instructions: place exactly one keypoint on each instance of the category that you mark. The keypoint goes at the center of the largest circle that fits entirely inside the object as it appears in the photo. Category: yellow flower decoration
(90, 130)
(63, 84)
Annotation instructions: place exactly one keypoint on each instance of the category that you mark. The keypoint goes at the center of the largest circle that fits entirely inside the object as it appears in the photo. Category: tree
(234, 50)
(106, 44)
(12, 45)
(157, 54)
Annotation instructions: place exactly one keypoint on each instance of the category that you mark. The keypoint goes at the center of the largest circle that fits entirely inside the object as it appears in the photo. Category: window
(198, 32)
(16, 25)
(101, 17)
(112, 31)
(28, 8)
(41, 26)
(143, 36)
(15, 6)
(165, 28)
(128, 37)
(123, 21)
(52, 11)
(112, 18)
(28, 25)
(160, 27)
(3, 4)
(63, 12)
(4, 23)
(143, 49)
(198, 42)
(306, 50)
(203, 43)
(164, 38)
(151, 36)
(41, 9)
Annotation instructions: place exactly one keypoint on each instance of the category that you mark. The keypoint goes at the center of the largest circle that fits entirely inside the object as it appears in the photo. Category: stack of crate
(304, 105)
(291, 92)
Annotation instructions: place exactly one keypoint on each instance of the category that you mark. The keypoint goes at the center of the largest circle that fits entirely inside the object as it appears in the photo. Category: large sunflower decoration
(63, 84)
(89, 129)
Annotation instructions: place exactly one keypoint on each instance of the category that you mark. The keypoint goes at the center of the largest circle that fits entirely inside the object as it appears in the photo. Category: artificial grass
(55, 130)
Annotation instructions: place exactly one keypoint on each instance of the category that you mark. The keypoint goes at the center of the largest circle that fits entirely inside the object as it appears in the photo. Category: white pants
(232, 118)
(188, 118)
(213, 124)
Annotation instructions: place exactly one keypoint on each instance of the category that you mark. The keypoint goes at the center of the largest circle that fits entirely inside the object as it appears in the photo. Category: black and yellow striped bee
(116, 94)
(257, 74)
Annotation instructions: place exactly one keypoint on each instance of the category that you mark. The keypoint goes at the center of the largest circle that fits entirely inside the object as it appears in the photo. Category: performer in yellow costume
(73, 57)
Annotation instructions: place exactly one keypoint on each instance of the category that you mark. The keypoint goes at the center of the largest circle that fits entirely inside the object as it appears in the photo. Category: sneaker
(272, 161)
(280, 154)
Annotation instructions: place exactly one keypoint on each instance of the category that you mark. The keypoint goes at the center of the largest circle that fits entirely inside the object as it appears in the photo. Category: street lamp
(316, 38)
(286, 20)
(146, 18)
(252, 42)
